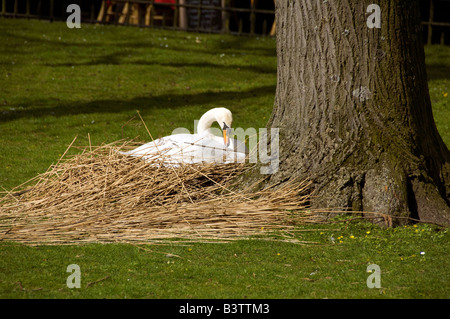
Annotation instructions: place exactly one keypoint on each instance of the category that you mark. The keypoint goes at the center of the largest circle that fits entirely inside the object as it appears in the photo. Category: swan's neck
(205, 122)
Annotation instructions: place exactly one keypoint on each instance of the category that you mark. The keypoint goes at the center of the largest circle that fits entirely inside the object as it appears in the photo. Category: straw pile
(99, 195)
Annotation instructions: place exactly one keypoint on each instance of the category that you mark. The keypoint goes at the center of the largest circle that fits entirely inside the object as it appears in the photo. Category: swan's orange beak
(226, 139)
(226, 135)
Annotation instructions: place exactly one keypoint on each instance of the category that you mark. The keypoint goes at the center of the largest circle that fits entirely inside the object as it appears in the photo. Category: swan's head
(224, 118)
(220, 115)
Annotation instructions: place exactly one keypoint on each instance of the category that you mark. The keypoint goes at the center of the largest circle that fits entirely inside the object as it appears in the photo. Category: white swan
(196, 148)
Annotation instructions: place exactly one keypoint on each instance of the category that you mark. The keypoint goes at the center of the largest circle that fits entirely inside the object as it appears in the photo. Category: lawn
(57, 83)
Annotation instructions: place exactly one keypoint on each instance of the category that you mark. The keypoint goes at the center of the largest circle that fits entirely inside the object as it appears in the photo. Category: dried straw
(100, 195)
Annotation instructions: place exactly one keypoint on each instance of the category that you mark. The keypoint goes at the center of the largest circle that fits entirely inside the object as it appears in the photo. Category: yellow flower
(189, 249)
(278, 254)
(352, 237)
(445, 94)
(368, 232)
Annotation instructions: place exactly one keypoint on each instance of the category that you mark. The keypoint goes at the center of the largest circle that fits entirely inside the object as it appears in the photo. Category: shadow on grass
(114, 59)
(178, 42)
(173, 100)
(437, 60)
(438, 71)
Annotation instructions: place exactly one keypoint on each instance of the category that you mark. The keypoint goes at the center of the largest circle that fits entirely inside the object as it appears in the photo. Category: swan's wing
(178, 148)
(160, 146)
(147, 148)
(187, 148)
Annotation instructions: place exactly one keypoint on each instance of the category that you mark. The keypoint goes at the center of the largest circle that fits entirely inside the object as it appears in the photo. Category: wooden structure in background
(182, 14)
(432, 23)
(237, 16)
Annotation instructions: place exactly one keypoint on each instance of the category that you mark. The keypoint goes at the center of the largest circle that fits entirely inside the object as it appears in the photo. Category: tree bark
(353, 109)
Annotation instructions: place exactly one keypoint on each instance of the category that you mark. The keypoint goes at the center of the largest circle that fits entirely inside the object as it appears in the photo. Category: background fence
(218, 16)
(436, 21)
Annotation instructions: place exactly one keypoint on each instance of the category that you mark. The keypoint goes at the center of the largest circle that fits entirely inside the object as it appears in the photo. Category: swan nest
(99, 195)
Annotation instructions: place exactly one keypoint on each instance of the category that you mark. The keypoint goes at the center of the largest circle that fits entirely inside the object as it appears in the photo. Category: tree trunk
(353, 109)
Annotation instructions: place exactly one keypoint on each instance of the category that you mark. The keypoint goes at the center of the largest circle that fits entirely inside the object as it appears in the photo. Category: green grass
(413, 262)
(57, 83)
(438, 71)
